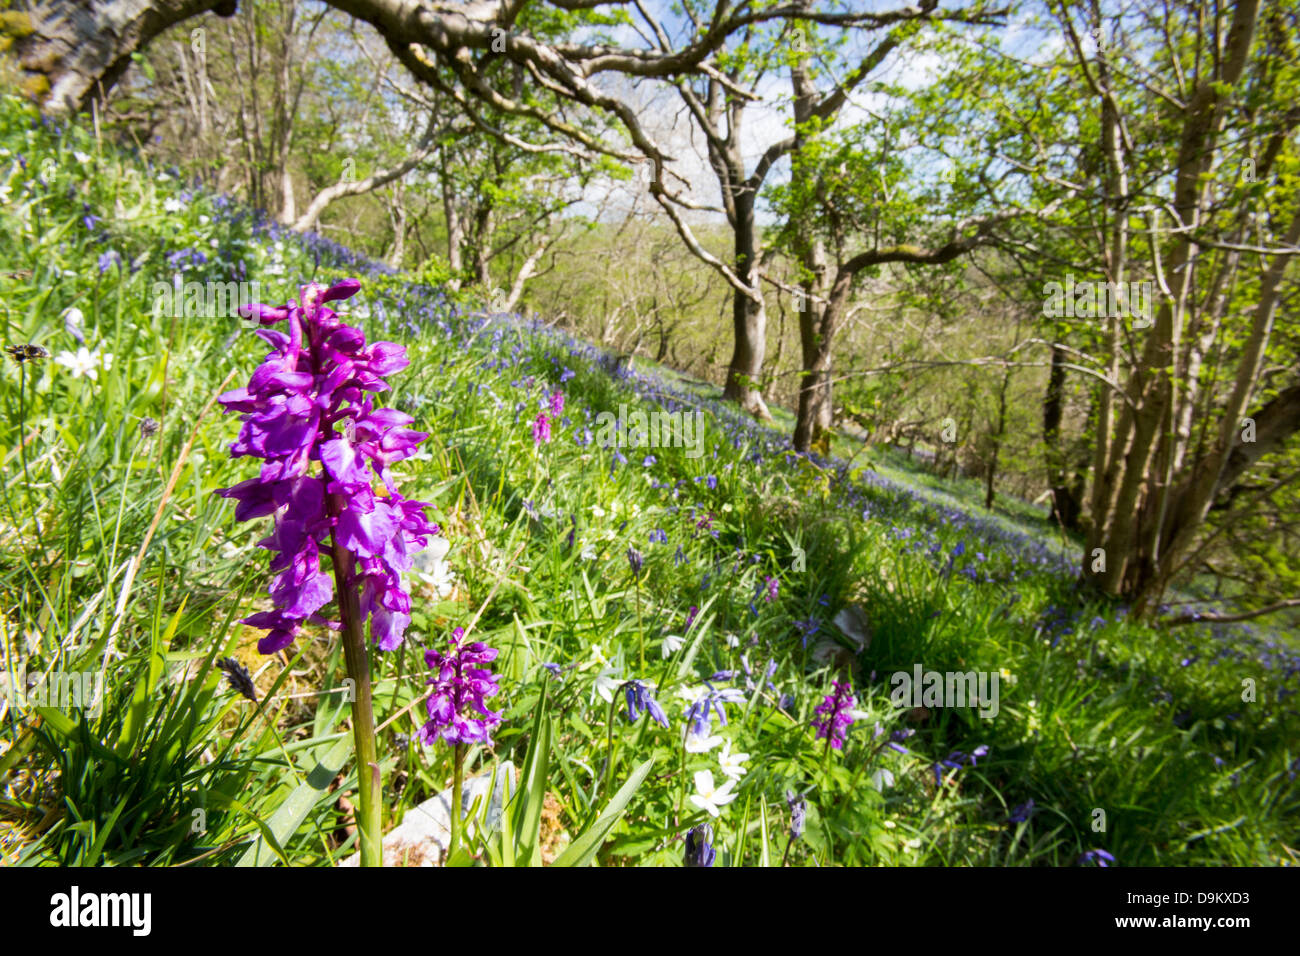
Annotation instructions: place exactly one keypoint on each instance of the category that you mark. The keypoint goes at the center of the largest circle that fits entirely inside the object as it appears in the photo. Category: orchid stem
(370, 812)
(457, 789)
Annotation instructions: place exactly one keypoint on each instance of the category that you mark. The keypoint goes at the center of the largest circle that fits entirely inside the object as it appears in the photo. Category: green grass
(116, 555)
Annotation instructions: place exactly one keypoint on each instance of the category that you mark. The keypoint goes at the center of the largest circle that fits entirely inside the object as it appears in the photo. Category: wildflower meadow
(313, 558)
(234, 525)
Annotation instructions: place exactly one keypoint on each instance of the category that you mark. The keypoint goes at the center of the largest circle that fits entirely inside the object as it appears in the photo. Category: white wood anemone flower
(431, 567)
(701, 743)
(85, 362)
(733, 765)
(607, 684)
(709, 798)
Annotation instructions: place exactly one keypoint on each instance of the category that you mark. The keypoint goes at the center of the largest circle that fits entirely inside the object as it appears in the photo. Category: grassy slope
(1096, 713)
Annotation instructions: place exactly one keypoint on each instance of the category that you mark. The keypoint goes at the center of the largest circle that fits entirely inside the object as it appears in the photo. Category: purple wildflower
(312, 381)
(639, 699)
(836, 711)
(958, 759)
(807, 629)
(1100, 857)
(698, 850)
(635, 562)
(1022, 813)
(798, 811)
(773, 587)
(690, 616)
(457, 712)
(556, 403)
(541, 429)
(698, 713)
(897, 738)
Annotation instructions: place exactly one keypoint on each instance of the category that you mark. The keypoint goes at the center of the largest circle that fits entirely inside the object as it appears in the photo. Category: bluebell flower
(896, 738)
(698, 850)
(798, 811)
(1022, 813)
(807, 629)
(639, 699)
(1100, 857)
(698, 713)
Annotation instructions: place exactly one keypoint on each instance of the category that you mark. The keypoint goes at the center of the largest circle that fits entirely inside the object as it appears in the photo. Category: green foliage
(1101, 716)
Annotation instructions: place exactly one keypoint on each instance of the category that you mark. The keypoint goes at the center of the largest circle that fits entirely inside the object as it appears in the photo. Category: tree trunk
(1066, 505)
(1136, 491)
(749, 319)
(77, 51)
(817, 316)
(816, 332)
(455, 230)
(990, 481)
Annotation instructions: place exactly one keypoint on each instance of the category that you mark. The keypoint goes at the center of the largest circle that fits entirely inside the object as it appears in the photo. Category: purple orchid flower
(316, 480)
(836, 711)
(457, 710)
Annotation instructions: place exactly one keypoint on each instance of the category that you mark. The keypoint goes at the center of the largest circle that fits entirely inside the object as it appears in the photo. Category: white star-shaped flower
(710, 798)
(701, 743)
(732, 764)
(84, 362)
(607, 684)
(431, 567)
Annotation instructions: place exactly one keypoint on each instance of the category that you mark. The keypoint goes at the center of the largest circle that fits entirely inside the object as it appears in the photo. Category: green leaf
(526, 813)
(290, 814)
(268, 835)
(582, 850)
(137, 714)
